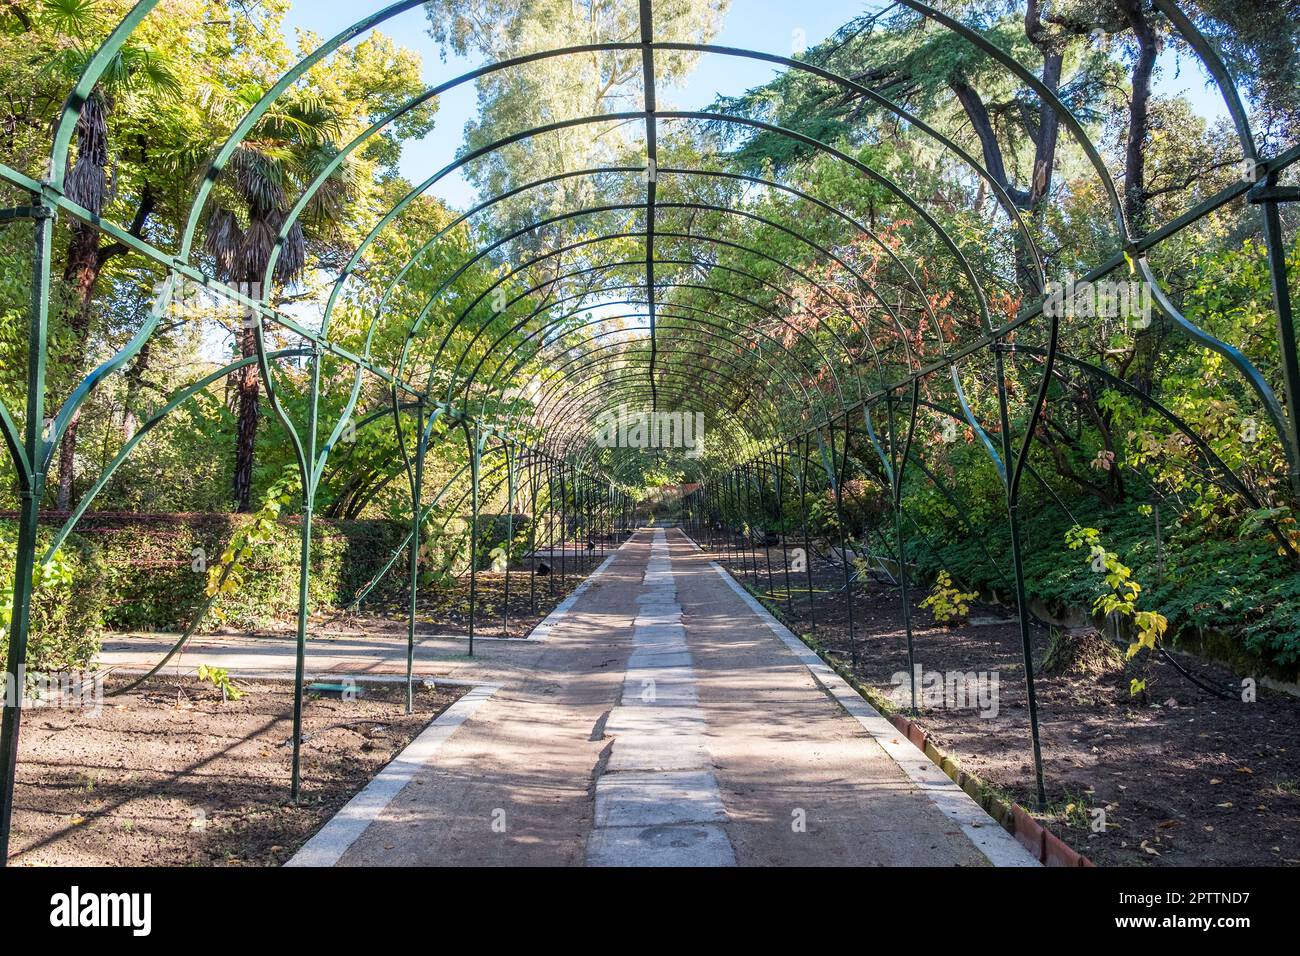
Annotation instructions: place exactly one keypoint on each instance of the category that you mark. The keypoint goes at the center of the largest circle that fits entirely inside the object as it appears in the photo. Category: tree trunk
(247, 387)
(1139, 119)
(80, 273)
(134, 385)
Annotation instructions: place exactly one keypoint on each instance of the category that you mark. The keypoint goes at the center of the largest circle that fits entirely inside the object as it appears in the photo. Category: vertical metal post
(778, 458)
(31, 474)
(838, 490)
(534, 487)
(896, 489)
(510, 536)
(1017, 557)
(471, 435)
(550, 527)
(304, 564)
(417, 485)
(564, 520)
(751, 489)
(805, 451)
(766, 513)
(1289, 355)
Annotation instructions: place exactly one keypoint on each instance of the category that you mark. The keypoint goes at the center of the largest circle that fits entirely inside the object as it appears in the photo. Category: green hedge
(155, 567)
(67, 604)
(146, 573)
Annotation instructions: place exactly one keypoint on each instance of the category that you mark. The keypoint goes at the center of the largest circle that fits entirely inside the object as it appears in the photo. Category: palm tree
(288, 148)
(133, 71)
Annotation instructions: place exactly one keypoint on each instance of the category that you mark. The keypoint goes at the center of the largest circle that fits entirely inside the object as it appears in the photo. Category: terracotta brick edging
(1046, 846)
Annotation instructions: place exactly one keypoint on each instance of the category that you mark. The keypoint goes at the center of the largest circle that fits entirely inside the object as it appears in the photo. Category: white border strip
(343, 829)
(999, 846)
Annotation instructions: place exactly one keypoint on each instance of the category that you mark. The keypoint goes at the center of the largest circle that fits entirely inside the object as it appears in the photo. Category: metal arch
(684, 236)
(604, 267)
(673, 170)
(396, 209)
(523, 361)
(624, 288)
(1010, 63)
(673, 285)
(594, 365)
(1028, 313)
(568, 443)
(651, 114)
(706, 330)
(945, 239)
(629, 390)
(594, 360)
(704, 324)
(573, 214)
(674, 235)
(577, 402)
(693, 317)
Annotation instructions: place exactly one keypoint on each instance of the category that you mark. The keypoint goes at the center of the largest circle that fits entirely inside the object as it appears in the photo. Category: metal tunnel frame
(542, 442)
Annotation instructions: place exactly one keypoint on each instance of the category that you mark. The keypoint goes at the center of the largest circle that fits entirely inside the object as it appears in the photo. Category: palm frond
(223, 239)
(81, 19)
(85, 182)
(258, 178)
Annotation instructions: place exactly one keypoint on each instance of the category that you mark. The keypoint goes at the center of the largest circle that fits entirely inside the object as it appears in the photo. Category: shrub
(149, 572)
(68, 596)
(948, 603)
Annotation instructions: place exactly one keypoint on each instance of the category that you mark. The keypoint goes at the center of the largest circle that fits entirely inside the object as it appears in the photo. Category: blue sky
(765, 25)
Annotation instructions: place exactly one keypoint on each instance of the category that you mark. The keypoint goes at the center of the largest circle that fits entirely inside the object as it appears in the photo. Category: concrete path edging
(342, 830)
(331, 841)
(995, 843)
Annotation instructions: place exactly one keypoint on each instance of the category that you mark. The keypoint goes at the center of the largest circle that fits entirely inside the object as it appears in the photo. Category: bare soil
(1185, 778)
(172, 775)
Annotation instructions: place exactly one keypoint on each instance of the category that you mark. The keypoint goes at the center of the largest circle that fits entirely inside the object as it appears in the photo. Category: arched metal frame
(548, 440)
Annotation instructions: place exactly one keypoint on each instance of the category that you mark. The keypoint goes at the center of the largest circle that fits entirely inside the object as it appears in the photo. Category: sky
(773, 26)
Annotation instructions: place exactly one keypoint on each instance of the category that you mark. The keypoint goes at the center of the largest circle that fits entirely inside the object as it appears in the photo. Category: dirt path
(736, 753)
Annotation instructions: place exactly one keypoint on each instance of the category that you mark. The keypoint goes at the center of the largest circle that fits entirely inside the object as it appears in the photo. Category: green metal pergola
(821, 385)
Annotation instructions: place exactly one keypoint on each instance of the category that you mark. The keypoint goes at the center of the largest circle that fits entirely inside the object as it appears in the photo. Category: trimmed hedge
(155, 567)
(67, 606)
(148, 573)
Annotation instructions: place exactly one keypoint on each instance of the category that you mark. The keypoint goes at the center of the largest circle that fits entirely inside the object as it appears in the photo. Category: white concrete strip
(329, 844)
(657, 801)
(648, 799)
(997, 845)
(692, 844)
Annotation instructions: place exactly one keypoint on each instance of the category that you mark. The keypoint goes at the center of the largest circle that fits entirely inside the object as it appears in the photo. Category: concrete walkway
(665, 723)
(666, 719)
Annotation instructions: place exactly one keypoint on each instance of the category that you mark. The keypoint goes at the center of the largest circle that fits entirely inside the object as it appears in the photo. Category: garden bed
(1184, 777)
(171, 775)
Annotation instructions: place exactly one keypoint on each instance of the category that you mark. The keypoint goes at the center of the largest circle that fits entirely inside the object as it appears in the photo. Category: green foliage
(68, 596)
(219, 677)
(1120, 597)
(155, 569)
(948, 603)
(227, 575)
